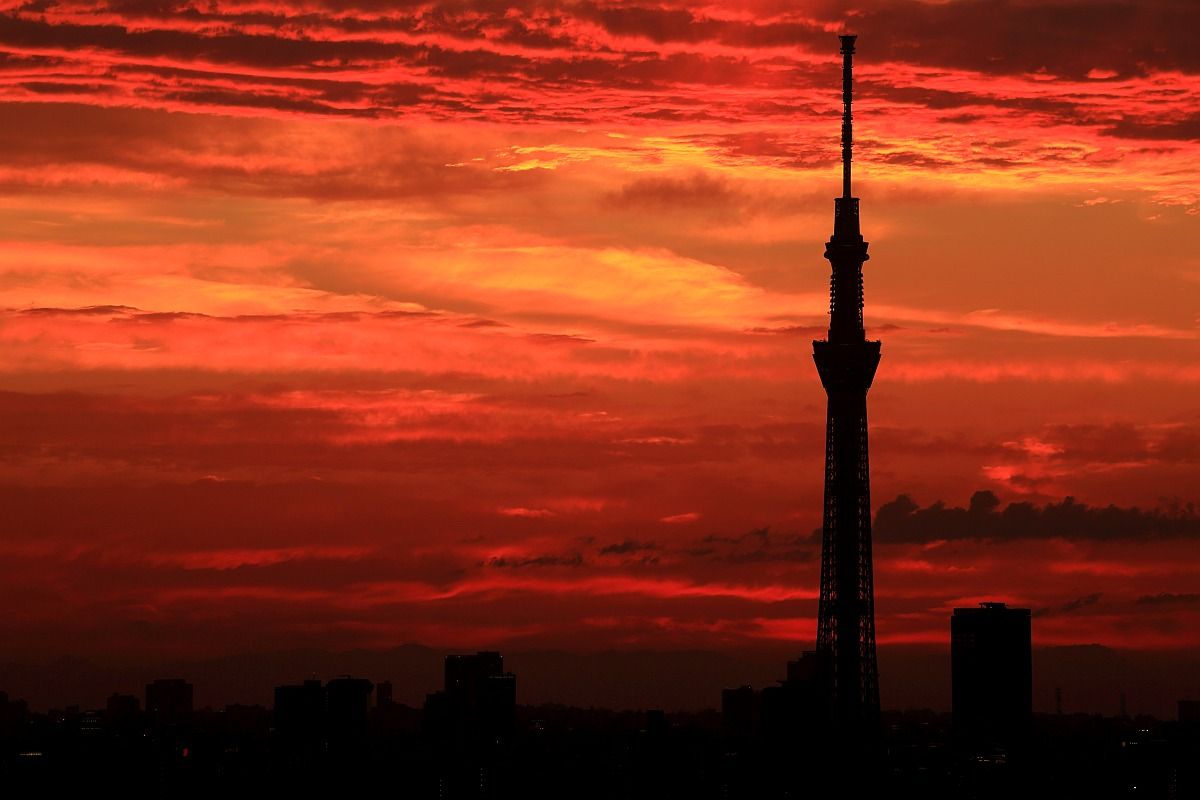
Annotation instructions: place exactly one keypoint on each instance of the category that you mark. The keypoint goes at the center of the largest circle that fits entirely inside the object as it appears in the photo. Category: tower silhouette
(846, 362)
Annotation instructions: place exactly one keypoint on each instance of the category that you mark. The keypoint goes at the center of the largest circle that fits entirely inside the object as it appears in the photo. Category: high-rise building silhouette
(122, 706)
(169, 701)
(471, 722)
(991, 667)
(846, 362)
(300, 716)
(347, 704)
(383, 694)
(739, 712)
(478, 702)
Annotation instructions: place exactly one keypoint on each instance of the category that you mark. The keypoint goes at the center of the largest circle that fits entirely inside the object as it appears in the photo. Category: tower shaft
(846, 362)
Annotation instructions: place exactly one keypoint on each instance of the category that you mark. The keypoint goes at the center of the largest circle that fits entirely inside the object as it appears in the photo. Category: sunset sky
(472, 324)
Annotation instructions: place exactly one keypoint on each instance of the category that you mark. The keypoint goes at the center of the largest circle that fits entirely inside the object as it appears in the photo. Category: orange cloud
(349, 326)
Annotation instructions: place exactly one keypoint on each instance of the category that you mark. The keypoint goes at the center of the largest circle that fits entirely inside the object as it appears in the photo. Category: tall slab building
(991, 665)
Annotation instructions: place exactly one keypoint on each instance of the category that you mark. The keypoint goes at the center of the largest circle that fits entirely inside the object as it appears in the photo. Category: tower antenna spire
(847, 116)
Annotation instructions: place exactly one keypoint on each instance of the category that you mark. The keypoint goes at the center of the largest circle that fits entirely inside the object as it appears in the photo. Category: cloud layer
(353, 324)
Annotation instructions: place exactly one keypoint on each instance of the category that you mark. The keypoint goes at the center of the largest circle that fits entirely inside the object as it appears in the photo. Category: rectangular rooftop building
(991, 663)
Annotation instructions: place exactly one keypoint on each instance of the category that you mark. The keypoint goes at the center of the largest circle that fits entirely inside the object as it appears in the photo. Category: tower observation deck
(846, 363)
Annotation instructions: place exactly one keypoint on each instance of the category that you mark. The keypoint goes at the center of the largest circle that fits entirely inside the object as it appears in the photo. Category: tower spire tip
(847, 52)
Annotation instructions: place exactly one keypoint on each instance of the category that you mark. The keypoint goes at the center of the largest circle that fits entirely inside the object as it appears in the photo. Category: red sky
(344, 324)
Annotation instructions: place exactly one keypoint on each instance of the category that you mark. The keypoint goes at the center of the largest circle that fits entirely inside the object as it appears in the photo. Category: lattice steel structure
(846, 362)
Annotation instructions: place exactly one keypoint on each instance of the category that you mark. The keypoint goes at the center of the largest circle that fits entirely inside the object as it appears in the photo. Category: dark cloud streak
(1168, 598)
(903, 521)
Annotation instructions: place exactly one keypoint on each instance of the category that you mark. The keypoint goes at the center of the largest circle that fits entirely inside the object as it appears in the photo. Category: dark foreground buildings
(477, 702)
(471, 722)
(313, 719)
(169, 701)
(473, 741)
